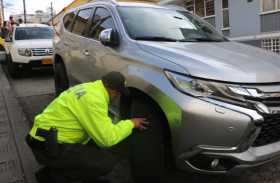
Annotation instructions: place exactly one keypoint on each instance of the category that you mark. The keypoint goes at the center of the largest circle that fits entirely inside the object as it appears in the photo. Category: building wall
(270, 22)
(33, 18)
(257, 43)
(218, 15)
(244, 17)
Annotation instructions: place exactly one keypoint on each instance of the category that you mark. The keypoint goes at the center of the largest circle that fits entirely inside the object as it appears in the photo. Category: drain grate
(5, 148)
(9, 167)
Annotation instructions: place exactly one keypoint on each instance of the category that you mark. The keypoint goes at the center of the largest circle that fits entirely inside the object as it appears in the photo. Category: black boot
(49, 175)
(43, 175)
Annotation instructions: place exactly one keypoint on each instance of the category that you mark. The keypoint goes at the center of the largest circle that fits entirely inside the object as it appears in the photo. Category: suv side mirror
(109, 37)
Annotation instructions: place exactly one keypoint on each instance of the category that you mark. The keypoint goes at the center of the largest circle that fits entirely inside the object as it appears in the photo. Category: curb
(18, 124)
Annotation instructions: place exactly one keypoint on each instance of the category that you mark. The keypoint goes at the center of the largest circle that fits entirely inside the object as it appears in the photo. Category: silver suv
(213, 104)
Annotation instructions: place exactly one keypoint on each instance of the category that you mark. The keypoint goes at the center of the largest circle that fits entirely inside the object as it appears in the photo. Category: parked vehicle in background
(213, 104)
(4, 33)
(2, 50)
(31, 45)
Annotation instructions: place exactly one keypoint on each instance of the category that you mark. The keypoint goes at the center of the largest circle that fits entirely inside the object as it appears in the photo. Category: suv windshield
(25, 33)
(159, 24)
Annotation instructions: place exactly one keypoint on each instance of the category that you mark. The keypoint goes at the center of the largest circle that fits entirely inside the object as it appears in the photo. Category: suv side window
(102, 20)
(81, 21)
(68, 20)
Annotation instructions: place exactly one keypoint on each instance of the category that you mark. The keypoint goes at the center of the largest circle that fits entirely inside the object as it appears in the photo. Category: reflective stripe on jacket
(81, 113)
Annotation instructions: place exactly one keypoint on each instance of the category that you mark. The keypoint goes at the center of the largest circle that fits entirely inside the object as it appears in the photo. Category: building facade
(38, 17)
(255, 22)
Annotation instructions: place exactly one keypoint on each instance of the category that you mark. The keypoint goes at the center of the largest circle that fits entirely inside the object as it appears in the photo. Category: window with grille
(270, 5)
(272, 44)
(225, 13)
(189, 5)
(202, 8)
(199, 8)
(209, 7)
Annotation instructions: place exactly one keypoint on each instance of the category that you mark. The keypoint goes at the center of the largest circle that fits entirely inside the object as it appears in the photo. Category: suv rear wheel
(60, 78)
(149, 148)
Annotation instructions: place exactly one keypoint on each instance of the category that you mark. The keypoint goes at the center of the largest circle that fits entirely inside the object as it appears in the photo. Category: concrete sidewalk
(17, 164)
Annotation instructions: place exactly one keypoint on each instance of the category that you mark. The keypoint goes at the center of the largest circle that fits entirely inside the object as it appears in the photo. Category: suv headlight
(204, 88)
(25, 52)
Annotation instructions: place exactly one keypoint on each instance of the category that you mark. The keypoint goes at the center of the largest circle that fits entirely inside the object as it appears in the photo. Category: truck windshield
(26, 33)
(159, 24)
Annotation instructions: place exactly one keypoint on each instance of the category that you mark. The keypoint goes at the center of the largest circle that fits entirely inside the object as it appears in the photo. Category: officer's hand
(140, 123)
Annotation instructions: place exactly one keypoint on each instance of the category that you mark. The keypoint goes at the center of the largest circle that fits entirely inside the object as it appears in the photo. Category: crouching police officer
(60, 137)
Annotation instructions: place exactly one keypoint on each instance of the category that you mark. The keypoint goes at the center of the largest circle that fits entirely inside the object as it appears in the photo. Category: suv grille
(270, 131)
(270, 127)
(42, 51)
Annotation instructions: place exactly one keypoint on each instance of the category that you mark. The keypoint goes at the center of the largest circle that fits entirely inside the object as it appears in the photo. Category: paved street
(35, 90)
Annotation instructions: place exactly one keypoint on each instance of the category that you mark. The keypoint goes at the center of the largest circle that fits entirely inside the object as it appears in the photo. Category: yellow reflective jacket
(81, 113)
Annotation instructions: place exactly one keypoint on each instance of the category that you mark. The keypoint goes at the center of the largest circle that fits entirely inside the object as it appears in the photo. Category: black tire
(13, 68)
(149, 157)
(60, 78)
(4, 62)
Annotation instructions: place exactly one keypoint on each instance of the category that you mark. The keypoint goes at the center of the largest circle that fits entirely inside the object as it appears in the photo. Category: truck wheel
(13, 68)
(60, 78)
(148, 148)
(3, 59)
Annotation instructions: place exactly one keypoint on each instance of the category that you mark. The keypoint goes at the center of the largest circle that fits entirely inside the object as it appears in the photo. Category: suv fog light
(204, 162)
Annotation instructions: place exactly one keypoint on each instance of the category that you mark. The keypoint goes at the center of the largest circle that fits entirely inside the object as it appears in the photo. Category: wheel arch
(134, 92)
(151, 83)
(58, 59)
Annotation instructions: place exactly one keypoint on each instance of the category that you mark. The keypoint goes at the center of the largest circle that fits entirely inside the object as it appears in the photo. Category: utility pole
(24, 11)
(2, 9)
(52, 12)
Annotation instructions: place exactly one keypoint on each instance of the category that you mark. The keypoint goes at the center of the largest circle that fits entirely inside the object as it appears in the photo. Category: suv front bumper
(216, 137)
(230, 162)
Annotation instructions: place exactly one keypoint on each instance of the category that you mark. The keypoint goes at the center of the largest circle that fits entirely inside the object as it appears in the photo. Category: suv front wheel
(149, 149)
(60, 78)
(13, 68)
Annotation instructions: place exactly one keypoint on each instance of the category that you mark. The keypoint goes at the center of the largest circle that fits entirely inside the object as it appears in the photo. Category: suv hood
(222, 61)
(34, 43)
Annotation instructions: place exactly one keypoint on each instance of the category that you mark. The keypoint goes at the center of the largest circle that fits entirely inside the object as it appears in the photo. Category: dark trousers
(75, 161)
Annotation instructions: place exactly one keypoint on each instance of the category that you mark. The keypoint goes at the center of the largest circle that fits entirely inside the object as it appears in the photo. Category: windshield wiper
(156, 38)
(159, 38)
(202, 39)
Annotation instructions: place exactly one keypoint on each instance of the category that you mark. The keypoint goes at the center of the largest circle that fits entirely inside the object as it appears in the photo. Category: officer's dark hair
(114, 80)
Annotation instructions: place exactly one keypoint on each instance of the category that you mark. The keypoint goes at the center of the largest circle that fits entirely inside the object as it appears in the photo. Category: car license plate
(47, 61)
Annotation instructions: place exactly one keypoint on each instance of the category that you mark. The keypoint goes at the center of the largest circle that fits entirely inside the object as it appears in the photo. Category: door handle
(86, 53)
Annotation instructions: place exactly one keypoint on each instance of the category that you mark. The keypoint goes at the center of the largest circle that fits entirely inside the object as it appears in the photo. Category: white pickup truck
(30, 45)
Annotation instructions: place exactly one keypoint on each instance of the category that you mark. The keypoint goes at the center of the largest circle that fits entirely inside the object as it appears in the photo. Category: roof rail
(107, 1)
